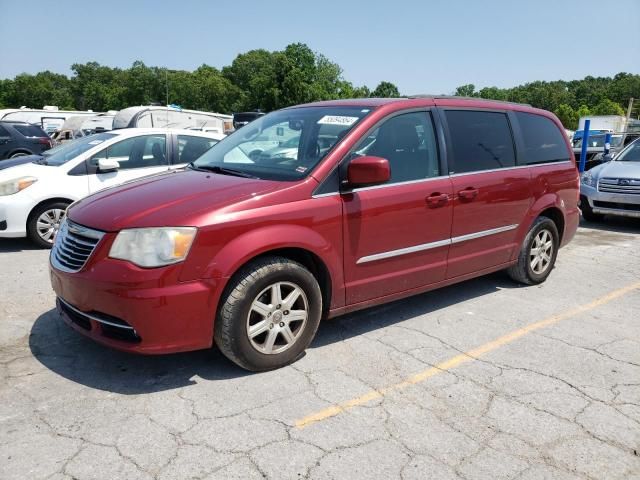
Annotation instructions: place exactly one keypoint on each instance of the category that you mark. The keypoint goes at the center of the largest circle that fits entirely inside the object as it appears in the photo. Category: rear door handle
(468, 194)
(437, 199)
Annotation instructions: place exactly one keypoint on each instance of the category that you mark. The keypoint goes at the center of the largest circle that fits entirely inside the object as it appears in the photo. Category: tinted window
(190, 148)
(543, 140)
(137, 152)
(4, 132)
(30, 130)
(480, 141)
(408, 142)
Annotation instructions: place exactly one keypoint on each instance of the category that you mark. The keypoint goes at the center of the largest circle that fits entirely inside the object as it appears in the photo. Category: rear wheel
(44, 223)
(19, 154)
(270, 314)
(538, 253)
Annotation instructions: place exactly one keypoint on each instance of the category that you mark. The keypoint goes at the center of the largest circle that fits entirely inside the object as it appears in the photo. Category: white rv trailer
(50, 117)
(172, 117)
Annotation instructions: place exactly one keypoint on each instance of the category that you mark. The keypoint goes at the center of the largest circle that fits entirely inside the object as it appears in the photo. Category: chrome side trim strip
(403, 251)
(92, 317)
(517, 167)
(437, 244)
(484, 233)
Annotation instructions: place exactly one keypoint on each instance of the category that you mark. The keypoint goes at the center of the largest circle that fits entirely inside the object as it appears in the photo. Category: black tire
(522, 271)
(587, 213)
(19, 154)
(32, 228)
(231, 330)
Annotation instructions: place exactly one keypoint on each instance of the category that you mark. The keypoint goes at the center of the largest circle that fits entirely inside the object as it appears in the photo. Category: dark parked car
(18, 139)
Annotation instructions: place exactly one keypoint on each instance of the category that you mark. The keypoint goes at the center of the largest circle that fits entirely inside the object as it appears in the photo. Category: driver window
(408, 142)
(137, 152)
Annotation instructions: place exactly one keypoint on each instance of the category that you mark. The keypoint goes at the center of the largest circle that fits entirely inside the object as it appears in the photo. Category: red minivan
(311, 212)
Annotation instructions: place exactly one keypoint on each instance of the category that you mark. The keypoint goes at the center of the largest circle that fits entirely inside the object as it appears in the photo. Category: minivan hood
(619, 170)
(178, 198)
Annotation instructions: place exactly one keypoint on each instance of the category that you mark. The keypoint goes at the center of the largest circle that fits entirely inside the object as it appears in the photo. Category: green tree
(468, 90)
(385, 90)
(607, 107)
(567, 116)
(583, 111)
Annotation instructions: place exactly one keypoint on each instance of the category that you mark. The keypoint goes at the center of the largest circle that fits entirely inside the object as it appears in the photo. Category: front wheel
(538, 253)
(270, 314)
(44, 222)
(587, 212)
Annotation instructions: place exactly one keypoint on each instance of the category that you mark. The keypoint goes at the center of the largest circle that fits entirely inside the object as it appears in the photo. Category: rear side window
(543, 140)
(4, 132)
(191, 148)
(30, 131)
(480, 141)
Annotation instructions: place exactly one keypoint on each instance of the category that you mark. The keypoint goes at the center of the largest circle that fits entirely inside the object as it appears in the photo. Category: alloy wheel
(541, 252)
(277, 317)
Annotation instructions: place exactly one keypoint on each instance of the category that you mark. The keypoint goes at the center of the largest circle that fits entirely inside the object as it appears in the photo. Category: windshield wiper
(221, 170)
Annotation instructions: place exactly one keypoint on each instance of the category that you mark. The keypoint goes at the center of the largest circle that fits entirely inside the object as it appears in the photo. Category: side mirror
(366, 171)
(106, 165)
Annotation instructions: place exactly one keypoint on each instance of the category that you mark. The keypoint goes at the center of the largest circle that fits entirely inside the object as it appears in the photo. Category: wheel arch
(46, 201)
(298, 243)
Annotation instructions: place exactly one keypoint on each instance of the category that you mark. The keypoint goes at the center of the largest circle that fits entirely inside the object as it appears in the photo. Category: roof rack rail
(435, 97)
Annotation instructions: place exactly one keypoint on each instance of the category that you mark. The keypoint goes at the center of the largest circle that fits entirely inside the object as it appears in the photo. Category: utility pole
(626, 124)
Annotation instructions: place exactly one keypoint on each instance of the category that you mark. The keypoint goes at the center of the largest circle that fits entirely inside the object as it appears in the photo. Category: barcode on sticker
(337, 120)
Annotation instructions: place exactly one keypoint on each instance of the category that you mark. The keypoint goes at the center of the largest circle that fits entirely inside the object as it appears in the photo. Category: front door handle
(468, 194)
(437, 199)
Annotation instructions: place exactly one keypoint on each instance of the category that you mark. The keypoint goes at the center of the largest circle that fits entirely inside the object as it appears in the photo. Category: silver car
(613, 188)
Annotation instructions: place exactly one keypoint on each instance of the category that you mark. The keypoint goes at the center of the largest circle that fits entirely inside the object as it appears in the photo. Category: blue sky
(421, 46)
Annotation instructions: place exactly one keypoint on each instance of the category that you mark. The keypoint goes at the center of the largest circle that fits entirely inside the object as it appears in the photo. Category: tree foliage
(268, 80)
(570, 100)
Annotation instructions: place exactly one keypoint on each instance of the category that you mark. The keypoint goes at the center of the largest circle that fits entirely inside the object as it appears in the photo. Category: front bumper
(137, 310)
(14, 210)
(624, 205)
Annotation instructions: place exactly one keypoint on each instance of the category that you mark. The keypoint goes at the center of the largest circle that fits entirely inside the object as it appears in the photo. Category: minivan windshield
(68, 151)
(283, 145)
(631, 153)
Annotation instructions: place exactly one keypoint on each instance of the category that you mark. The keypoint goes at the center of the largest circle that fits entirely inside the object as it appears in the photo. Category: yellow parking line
(460, 359)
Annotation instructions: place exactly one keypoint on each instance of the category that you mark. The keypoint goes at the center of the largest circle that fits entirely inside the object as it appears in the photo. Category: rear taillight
(45, 141)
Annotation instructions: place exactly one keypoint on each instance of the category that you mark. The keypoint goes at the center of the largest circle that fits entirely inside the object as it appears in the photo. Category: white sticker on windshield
(337, 120)
(95, 142)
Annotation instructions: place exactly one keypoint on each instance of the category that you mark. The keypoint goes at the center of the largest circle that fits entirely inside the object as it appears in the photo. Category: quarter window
(543, 140)
(480, 141)
(408, 142)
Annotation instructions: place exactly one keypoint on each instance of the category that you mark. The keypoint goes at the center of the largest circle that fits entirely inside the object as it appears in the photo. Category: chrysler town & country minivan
(250, 253)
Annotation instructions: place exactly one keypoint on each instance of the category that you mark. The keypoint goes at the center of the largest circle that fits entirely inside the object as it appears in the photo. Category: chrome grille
(626, 186)
(73, 246)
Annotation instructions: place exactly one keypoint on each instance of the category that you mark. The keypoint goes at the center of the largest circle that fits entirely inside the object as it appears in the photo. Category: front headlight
(16, 185)
(588, 179)
(153, 247)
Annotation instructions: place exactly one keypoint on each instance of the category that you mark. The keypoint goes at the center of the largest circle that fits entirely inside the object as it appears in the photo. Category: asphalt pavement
(482, 380)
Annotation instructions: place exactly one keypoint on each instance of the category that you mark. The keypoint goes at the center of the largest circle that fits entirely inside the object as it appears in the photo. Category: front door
(396, 235)
(491, 196)
(138, 157)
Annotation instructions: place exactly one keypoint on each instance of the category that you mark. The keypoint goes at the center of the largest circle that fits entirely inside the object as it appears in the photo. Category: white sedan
(34, 196)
